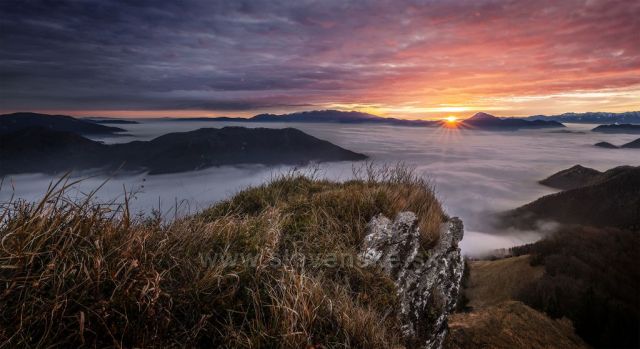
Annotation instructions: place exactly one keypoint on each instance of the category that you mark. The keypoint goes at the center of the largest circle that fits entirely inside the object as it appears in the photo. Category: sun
(450, 122)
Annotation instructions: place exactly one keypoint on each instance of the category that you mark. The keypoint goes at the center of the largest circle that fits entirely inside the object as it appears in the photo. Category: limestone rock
(427, 283)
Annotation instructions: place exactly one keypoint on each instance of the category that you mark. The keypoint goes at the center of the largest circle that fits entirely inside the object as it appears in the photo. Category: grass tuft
(274, 266)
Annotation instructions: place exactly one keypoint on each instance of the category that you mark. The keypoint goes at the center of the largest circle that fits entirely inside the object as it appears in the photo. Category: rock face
(427, 284)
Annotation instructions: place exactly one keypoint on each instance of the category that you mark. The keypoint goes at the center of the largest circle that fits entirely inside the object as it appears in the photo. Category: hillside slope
(496, 319)
(633, 144)
(275, 266)
(510, 325)
(571, 178)
(591, 276)
(492, 282)
(613, 200)
(42, 150)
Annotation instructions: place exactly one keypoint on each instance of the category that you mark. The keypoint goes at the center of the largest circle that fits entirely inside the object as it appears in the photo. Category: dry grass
(493, 282)
(82, 274)
(508, 325)
(496, 319)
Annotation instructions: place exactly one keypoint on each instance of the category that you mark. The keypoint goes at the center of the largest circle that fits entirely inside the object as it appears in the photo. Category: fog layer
(475, 173)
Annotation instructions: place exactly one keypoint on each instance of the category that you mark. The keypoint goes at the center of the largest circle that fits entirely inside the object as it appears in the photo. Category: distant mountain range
(488, 121)
(611, 198)
(632, 117)
(478, 121)
(18, 121)
(42, 150)
(618, 128)
(114, 121)
(323, 116)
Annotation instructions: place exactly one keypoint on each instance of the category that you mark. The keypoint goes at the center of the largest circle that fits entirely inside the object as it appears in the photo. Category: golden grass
(495, 281)
(508, 325)
(249, 272)
(496, 319)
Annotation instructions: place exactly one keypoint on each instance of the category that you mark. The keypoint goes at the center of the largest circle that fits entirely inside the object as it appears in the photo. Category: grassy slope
(497, 321)
(510, 325)
(493, 282)
(80, 274)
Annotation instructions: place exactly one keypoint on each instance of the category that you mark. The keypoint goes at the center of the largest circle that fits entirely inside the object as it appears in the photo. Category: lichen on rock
(427, 282)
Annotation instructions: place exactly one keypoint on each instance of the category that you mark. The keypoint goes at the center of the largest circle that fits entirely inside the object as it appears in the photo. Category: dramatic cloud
(411, 58)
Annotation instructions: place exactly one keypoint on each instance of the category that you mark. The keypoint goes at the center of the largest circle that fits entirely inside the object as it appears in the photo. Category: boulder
(428, 282)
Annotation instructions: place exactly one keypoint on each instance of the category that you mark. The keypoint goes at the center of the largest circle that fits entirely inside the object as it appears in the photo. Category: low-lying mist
(475, 173)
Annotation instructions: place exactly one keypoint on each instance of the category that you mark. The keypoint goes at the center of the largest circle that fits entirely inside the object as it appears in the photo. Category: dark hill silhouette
(592, 277)
(488, 121)
(63, 123)
(632, 144)
(326, 116)
(42, 150)
(612, 200)
(480, 120)
(605, 145)
(571, 178)
(38, 149)
(323, 116)
(112, 121)
(618, 128)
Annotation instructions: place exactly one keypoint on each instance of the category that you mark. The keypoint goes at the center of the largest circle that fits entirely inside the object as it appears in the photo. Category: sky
(402, 58)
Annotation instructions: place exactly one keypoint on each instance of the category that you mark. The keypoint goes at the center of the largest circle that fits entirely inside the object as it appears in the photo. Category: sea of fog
(475, 173)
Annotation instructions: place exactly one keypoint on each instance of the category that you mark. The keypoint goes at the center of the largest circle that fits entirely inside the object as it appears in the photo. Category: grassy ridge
(271, 267)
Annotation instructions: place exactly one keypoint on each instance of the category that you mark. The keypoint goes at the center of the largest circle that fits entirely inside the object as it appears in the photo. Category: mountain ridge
(480, 120)
(591, 117)
(618, 128)
(635, 144)
(21, 120)
(612, 200)
(483, 120)
(571, 178)
(43, 150)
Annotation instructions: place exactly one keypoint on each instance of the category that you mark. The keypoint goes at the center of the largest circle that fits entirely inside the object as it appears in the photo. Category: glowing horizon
(401, 59)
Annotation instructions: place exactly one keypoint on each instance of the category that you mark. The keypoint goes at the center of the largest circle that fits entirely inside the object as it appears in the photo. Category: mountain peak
(483, 116)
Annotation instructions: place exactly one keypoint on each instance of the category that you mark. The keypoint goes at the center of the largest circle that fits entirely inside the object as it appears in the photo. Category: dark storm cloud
(244, 55)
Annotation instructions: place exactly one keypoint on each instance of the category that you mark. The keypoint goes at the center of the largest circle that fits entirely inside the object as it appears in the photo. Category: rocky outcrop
(427, 282)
